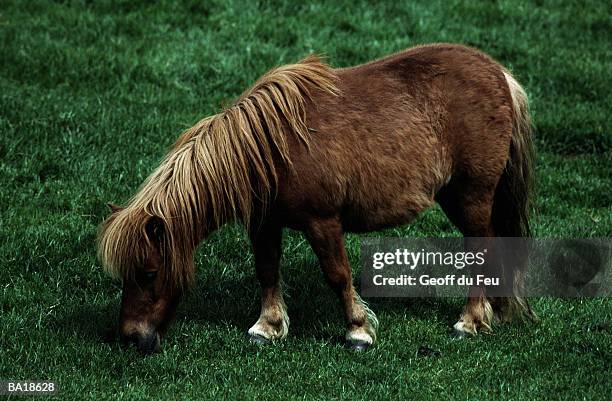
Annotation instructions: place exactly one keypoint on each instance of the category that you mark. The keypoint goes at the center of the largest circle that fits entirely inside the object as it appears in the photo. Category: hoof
(460, 334)
(358, 340)
(357, 345)
(258, 339)
(461, 330)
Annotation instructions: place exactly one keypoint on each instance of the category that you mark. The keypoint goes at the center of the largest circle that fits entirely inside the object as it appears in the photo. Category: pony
(328, 151)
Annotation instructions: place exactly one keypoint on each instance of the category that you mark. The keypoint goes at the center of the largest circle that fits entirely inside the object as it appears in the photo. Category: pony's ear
(155, 229)
(114, 208)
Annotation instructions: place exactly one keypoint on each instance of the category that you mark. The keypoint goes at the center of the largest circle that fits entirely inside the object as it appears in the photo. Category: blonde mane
(214, 173)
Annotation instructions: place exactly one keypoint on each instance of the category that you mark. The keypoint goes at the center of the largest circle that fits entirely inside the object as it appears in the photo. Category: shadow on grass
(90, 322)
(311, 304)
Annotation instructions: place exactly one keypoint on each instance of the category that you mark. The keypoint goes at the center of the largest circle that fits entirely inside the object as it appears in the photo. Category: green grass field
(93, 93)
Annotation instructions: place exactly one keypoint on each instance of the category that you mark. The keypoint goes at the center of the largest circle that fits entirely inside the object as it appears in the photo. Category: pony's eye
(150, 276)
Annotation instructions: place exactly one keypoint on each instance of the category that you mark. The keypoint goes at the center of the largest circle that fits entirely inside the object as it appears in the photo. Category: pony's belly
(368, 224)
(392, 213)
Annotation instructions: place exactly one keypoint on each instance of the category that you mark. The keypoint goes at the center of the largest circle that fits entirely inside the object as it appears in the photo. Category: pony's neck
(225, 164)
(196, 189)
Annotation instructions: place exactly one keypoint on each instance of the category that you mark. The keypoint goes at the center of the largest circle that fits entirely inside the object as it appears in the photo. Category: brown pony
(327, 151)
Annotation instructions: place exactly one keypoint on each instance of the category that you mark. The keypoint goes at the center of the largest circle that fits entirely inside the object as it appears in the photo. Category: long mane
(214, 172)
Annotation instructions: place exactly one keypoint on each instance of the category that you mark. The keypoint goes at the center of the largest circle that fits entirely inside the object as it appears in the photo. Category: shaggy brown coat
(328, 151)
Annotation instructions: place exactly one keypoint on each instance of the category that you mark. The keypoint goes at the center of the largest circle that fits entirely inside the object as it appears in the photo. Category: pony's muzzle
(145, 342)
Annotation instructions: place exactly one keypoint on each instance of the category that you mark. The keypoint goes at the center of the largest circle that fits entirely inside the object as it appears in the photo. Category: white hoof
(265, 330)
(358, 340)
(463, 329)
(359, 336)
(258, 331)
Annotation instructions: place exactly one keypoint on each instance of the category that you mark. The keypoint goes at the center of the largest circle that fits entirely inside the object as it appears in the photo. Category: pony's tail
(512, 202)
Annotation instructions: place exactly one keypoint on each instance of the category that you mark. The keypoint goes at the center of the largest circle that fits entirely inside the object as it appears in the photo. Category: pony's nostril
(146, 341)
(131, 339)
(148, 344)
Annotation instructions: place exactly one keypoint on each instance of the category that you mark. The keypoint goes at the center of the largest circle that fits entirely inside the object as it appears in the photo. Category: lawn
(92, 94)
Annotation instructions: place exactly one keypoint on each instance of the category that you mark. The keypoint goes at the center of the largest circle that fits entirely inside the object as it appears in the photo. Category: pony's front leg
(326, 238)
(273, 322)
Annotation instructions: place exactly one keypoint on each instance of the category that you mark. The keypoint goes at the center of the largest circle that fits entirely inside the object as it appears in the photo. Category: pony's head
(137, 247)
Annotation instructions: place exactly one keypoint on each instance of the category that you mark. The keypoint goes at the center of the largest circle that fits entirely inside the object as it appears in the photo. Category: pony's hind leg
(478, 313)
(469, 209)
(326, 238)
(273, 322)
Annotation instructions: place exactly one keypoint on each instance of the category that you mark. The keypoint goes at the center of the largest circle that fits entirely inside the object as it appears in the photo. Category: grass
(93, 93)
